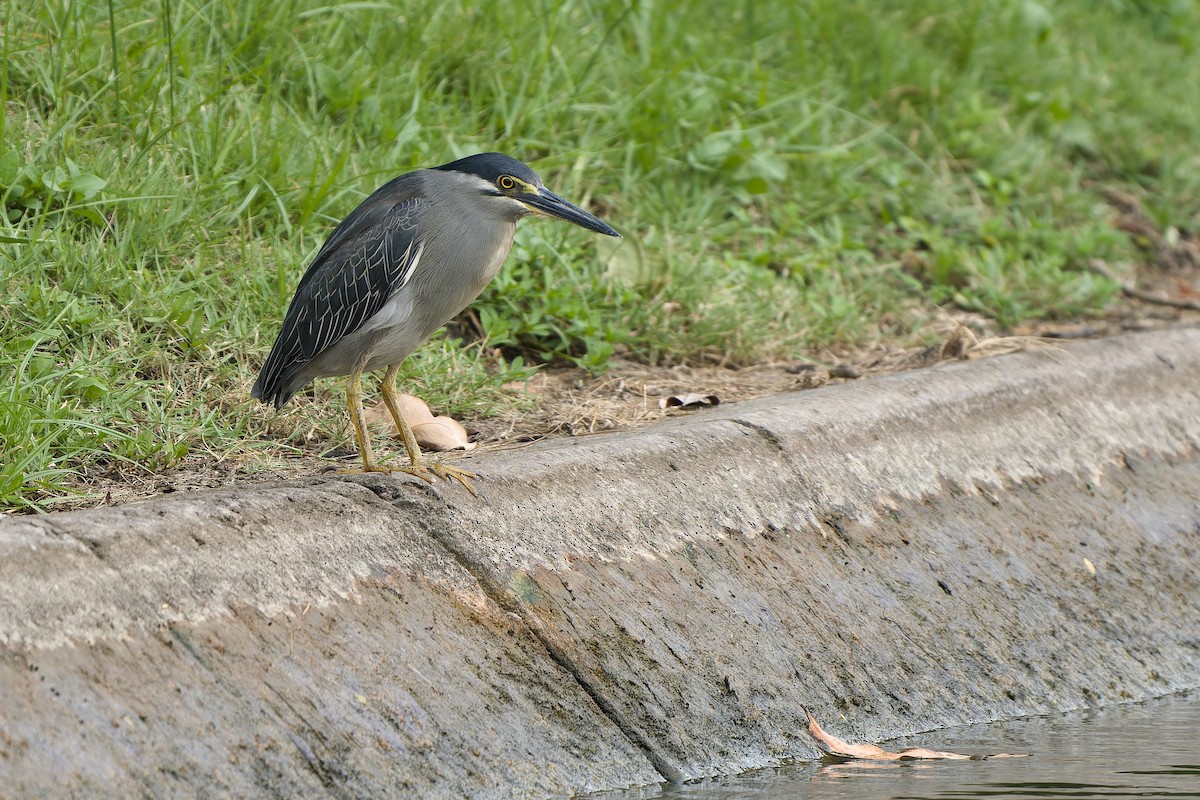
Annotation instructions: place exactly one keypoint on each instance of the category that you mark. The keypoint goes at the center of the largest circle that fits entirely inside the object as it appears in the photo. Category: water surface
(1142, 750)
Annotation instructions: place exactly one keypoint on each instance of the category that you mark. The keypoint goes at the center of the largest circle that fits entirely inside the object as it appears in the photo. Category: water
(1142, 750)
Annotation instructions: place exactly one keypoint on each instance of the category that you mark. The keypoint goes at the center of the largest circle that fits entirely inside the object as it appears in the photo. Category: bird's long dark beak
(551, 205)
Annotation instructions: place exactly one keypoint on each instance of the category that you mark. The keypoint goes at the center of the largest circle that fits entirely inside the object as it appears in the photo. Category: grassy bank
(787, 175)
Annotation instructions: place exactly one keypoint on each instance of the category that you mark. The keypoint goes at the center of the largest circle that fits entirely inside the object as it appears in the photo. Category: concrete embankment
(976, 541)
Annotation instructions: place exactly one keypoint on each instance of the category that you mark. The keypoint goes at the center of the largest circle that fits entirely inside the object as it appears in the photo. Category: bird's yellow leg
(361, 434)
(417, 465)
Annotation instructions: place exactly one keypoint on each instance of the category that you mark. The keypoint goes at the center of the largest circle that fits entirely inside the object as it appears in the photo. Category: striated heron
(407, 260)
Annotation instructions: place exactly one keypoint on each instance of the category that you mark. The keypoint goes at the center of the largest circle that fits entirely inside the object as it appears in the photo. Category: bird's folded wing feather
(367, 259)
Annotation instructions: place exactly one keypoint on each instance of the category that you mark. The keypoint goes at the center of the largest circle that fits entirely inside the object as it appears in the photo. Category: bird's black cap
(491, 166)
(540, 200)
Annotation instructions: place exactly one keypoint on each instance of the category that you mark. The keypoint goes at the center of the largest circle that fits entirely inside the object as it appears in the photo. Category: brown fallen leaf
(869, 752)
(958, 343)
(812, 378)
(1184, 289)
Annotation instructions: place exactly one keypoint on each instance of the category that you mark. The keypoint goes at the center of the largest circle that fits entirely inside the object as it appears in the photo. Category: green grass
(788, 176)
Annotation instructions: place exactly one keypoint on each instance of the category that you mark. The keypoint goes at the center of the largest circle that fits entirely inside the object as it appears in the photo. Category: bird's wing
(400, 194)
(368, 258)
(352, 281)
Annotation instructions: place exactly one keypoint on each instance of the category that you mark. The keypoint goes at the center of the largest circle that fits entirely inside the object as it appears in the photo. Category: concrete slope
(976, 541)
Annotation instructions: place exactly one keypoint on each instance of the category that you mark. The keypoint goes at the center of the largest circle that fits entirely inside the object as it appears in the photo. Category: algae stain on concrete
(525, 589)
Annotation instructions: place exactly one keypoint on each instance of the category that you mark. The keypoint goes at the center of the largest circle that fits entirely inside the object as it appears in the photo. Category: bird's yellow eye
(507, 183)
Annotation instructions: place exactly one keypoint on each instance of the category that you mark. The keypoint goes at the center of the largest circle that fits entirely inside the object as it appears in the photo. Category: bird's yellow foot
(418, 471)
(459, 474)
(426, 472)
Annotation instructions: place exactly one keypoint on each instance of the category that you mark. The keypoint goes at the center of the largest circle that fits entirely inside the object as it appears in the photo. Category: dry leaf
(845, 370)
(812, 378)
(960, 342)
(415, 409)
(442, 433)
(433, 433)
(689, 400)
(869, 752)
(377, 415)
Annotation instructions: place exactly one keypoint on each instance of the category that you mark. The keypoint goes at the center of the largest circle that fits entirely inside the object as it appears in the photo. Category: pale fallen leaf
(1087, 562)
(442, 433)
(689, 400)
(869, 752)
(415, 409)
(377, 415)
(435, 433)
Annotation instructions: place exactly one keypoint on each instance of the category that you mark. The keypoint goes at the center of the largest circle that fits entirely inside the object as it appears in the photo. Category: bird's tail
(275, 384)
